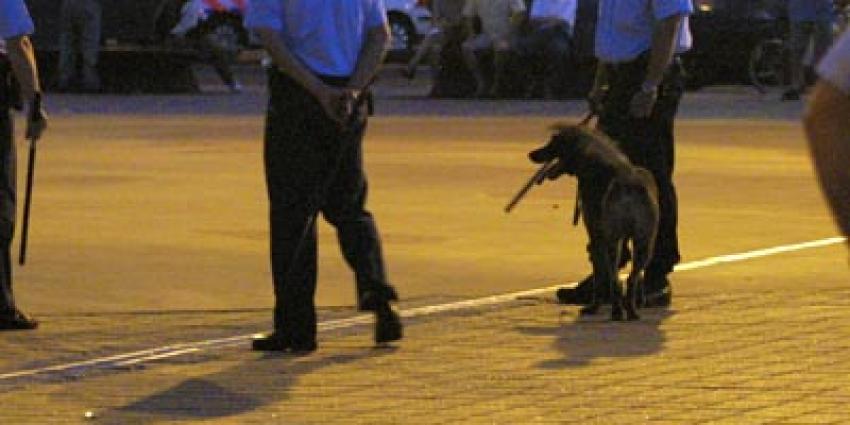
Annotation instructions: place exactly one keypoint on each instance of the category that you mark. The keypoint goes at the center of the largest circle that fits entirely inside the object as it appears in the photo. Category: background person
(79, 35)
(827, 123)
(446, 16)
(325, 53)
(810, 23)
(18, 60)
(500, 20)
(637, 91)
(547, 45)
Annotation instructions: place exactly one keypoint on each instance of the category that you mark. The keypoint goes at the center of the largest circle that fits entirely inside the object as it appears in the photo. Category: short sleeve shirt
(810, 10)
(625, 27)
(495, 15)
(325, 35)
(15, 19)
(835, 65)
(562, 9)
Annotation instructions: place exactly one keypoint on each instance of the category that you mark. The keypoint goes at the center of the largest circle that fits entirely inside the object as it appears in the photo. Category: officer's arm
(371, 56)
(287, 63)
(22, 57)
(827, 127)
(664, 41)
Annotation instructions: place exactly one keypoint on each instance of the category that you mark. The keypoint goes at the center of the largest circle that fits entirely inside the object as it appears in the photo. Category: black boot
(388, 326)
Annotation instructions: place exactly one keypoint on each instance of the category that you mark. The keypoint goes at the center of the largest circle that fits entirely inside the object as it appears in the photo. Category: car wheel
(767, 64)
(403, 34)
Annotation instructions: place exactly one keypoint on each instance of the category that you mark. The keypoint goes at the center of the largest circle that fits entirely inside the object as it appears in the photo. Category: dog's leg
(642, 250)
(615, 248)
(599, 258)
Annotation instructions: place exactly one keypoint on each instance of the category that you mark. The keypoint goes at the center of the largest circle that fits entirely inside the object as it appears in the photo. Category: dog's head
(566, 146)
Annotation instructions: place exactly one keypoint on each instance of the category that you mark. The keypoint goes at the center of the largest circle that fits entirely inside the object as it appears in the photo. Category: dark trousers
(547, 49)
(649, 143)
(7, 191)
(79, 33)
(306, 154)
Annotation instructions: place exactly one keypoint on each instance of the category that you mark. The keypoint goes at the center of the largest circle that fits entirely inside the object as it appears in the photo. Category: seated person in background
(500, 20)
(446, 16)
(548, 43)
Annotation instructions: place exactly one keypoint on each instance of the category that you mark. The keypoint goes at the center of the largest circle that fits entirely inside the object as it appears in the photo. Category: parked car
(409, 21)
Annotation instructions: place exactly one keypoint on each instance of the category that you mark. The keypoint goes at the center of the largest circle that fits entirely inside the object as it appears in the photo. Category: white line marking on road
(175, 350)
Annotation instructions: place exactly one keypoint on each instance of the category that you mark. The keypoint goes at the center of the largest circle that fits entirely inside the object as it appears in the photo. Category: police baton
(34, 112)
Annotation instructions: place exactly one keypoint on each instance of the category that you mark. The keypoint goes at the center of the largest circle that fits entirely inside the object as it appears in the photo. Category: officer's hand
(643, 102)
(333, 103)
(36, 119)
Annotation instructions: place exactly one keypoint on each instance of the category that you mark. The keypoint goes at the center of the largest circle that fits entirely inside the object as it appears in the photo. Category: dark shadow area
(581, 340)
(248, 386)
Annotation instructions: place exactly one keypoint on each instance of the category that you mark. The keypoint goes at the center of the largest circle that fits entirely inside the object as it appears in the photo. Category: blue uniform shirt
(325, 35)
(14, 19)
(624, 28)
(810, 10)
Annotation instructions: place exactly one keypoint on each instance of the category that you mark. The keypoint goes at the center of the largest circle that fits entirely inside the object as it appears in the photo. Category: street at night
(148, 267)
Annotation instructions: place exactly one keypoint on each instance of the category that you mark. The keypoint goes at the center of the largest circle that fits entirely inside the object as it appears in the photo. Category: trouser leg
(358, 235)
(90, 25)
(67, 58)
(7, 208)
(649, 143)
(293, 162)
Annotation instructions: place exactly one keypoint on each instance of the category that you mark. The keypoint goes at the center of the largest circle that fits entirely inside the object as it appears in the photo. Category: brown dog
(619, 202)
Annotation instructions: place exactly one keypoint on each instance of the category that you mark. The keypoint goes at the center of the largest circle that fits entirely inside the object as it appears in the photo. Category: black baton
(22, 258)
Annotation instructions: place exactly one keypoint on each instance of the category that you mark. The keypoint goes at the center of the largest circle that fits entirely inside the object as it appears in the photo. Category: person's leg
(557, 55)
(470, 49)
(501, 56)
(294, 161)
(90, 43)
(66, 67)
(799, 37)
(424, 50)
(358, 236)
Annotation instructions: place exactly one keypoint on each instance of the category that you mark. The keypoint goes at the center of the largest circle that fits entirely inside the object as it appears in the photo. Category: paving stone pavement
(751, 357)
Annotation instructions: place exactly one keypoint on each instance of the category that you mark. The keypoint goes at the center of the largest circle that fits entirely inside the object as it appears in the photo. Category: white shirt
(835, 65)
(562, 9)
(325, 35)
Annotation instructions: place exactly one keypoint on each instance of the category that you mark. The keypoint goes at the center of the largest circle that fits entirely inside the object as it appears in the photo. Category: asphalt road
(149, 224)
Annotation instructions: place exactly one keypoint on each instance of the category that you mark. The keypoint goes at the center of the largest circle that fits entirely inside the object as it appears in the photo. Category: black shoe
(581, 294)
(657, 292)
(16, 320)
(274, 342)
(388, 326)
(791, 95)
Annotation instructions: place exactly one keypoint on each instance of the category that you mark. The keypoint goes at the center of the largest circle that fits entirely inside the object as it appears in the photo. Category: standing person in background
(446, 18)
(79, 36)
(811, 23)
(500, 22)
(638, 86)
(18, 61)
(827, 122)
(325, 53)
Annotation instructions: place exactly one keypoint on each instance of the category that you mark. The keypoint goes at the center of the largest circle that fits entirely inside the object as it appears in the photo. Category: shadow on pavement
(583, 340)
(248, 386)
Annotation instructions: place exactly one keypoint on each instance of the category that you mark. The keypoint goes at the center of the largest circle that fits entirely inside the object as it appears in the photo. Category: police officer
(18, 60)
(324, 54)
(637, 91)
